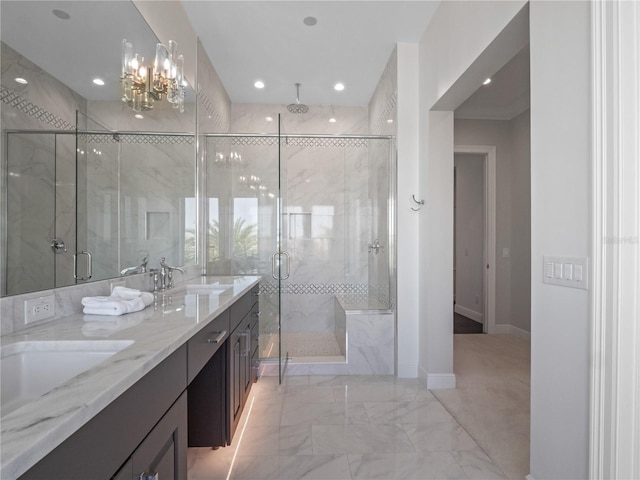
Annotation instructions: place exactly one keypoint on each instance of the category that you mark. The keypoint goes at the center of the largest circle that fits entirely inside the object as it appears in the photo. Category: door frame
(489, 279)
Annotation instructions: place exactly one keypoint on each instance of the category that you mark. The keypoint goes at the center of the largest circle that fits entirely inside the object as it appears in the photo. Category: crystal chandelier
(143, 85)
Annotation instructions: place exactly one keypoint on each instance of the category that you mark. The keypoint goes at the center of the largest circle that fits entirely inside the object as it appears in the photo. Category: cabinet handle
(256, 314)
(219, 338)
(149, 476)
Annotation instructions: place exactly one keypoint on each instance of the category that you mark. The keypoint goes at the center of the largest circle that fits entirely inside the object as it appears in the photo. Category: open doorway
(469, 244)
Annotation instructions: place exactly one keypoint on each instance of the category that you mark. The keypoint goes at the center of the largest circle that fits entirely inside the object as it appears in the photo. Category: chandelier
(142, 85)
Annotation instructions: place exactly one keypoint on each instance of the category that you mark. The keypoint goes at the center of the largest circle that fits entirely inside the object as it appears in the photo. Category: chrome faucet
(375, 247)
(166, 274)
(142, 268)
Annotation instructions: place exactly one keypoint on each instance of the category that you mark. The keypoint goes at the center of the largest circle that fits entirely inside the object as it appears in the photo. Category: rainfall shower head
(297, 107)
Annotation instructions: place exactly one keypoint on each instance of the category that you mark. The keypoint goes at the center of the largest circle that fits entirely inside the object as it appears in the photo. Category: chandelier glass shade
(143, 85)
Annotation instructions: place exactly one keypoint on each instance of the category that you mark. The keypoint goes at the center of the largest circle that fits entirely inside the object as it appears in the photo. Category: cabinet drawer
(240, 309)
(205, 343)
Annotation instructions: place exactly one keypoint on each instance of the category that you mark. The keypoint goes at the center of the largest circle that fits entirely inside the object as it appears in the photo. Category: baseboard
(467, 312)
(439, 381)
(506, 329)
(408, 370)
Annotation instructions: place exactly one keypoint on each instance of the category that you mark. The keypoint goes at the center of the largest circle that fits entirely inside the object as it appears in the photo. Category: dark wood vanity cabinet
(218, 393)
(145, 427)
(194, 397)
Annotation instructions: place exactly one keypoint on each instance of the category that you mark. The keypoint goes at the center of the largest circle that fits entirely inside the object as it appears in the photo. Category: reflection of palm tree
(189, 246)
(245, 239)
(213, 243)
(245, 246)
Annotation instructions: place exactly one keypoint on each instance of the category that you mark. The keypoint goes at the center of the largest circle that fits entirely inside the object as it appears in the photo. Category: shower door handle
(275, 275)
(89, 266)
(288, 265)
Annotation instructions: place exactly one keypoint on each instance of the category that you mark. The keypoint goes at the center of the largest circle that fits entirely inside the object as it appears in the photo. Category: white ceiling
(249, 40)
(267, 40)
(505, 97)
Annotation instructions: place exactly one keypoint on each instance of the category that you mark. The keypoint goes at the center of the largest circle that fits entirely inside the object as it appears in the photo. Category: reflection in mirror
(132, 195)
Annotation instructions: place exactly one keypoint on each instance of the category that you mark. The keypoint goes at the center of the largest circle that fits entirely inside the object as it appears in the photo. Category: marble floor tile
(428, 412)
(406, 466)
(367, 438)
(365, 427)
(381, 392)
(299, 413)
(477, 465)
(443, 436)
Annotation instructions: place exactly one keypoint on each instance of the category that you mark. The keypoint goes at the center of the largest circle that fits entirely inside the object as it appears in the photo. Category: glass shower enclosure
(312, 215)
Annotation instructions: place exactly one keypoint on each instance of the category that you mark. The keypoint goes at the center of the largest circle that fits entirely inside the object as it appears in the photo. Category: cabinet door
(235, 383)
(164, 451)
(246, 363)
(207, 400)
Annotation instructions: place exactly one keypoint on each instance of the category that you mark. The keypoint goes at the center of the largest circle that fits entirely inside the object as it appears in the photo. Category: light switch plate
(565, 271)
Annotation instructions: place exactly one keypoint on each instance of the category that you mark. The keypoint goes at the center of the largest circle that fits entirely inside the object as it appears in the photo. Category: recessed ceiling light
(332, 120)
(390, 120)
(339, 87)
(310, 21)
(98, 81)
(259, 84)
(139, 116)
(61, 14)
(487, 81)
(21, 80)
(269, 119)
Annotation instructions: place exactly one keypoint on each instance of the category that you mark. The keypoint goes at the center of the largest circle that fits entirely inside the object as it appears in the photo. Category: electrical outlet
(39, 308)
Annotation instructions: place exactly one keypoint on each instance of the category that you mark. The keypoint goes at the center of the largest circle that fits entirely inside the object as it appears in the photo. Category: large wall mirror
(91, 189)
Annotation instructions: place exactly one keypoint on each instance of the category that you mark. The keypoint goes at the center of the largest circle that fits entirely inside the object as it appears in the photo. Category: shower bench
(365, 330)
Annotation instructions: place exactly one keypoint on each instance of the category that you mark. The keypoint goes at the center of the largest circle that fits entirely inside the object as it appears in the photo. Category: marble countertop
(30, 432)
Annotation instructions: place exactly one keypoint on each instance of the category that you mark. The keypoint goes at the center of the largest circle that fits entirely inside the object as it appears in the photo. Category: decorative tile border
(269, 288)
(136, 138)
(27, 107)
(269, 141)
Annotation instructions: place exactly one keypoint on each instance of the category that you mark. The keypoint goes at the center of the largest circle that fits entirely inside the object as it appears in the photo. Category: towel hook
(418, 202)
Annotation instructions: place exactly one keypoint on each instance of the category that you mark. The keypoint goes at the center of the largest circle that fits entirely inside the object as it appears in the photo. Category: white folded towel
(121, 301)
(125, 293)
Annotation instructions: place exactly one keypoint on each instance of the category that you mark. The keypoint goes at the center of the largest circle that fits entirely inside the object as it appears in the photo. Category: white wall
(521, 222)
(513, 213)
(469, 235)
(560, 212)
(408, 243)
(496, 133)
(457, 36)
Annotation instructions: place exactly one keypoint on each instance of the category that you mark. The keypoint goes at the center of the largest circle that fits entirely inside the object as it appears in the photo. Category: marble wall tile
(214, 106)
(30, 212)
(383, 104)
(251, 118)
(48, 103)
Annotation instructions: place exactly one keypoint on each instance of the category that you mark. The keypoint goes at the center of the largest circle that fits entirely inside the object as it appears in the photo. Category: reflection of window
(245, 234)
(190, 231)
(213, 230)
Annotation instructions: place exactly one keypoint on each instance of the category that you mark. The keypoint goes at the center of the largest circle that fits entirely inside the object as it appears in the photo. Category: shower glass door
(244, 223)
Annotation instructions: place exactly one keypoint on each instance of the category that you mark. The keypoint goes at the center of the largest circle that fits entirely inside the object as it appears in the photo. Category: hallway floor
(362, 427)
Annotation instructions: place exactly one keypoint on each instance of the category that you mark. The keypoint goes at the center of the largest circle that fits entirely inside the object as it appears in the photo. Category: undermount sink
(32, 368)
(206, 289)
